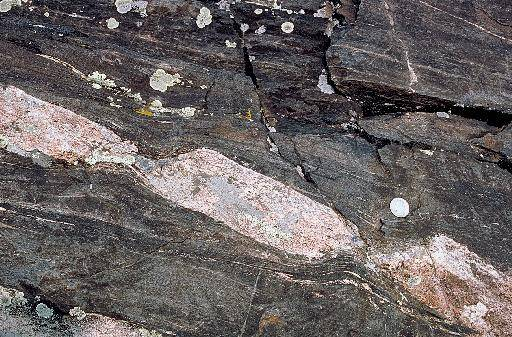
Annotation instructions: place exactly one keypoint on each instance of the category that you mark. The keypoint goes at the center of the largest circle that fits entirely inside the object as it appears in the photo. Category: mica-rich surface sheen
(233, 168)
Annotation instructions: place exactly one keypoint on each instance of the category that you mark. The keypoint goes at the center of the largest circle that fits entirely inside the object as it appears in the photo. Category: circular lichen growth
(44, 311)
(399, 207)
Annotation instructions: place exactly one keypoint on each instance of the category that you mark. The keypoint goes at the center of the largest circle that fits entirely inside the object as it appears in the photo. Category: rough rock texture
(427, 51)
(226, 168)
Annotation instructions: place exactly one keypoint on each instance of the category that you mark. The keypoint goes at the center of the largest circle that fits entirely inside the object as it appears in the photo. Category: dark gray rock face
(427, 53)
(314, 117)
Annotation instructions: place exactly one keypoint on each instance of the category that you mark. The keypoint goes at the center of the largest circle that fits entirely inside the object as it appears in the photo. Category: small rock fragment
(287, 27)
(399, 207)
(442, 114)
(323, 85)
(204, 18)
(258, 11)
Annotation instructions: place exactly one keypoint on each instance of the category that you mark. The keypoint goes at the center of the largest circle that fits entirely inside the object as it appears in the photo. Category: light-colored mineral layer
(456, 282)
(28, 123)
(251, 203)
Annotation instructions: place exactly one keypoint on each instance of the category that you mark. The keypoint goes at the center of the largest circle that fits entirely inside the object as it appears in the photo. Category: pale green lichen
(287, 27)
(161, 80)
(100, 156)
(5, 299)
(156, 106)
(78, 313)
(7, 5)
(112, 23)
(124, 6)
(44, 311)
(11, 298)
(100, 80)
(204, 18)
(148, 333)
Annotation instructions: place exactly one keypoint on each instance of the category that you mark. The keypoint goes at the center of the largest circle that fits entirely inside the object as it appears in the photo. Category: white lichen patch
(7, 5)
(107, 156)
(157, 107)
(244, 27)
(125, 6)
(454, 281)
(112, 23)
(149, 333)
(427, 152)
(323, 84)
(261, 30)
(161, 80)
(474, 314)
(204, 18)
(287, 27)
(78, 313)
(100, 80)
(250, 203)
(44, 311)
(399, 207)
(11, 298)
(28, 124)
(230, 44)
(442, 114)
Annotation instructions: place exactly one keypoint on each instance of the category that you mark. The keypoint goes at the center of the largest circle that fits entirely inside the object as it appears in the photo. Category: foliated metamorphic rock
(44, 311)
(112, 23)
(161, 80)
(23, 322)
(28, 124)
(204, 18)
(202, 180)
(7, 5)
(456, 282)
(287, 27)
(251, 203)
(399, 207)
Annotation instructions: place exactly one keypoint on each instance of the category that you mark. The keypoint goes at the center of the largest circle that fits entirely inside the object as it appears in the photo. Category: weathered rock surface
(226, 169)
(427, 53)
